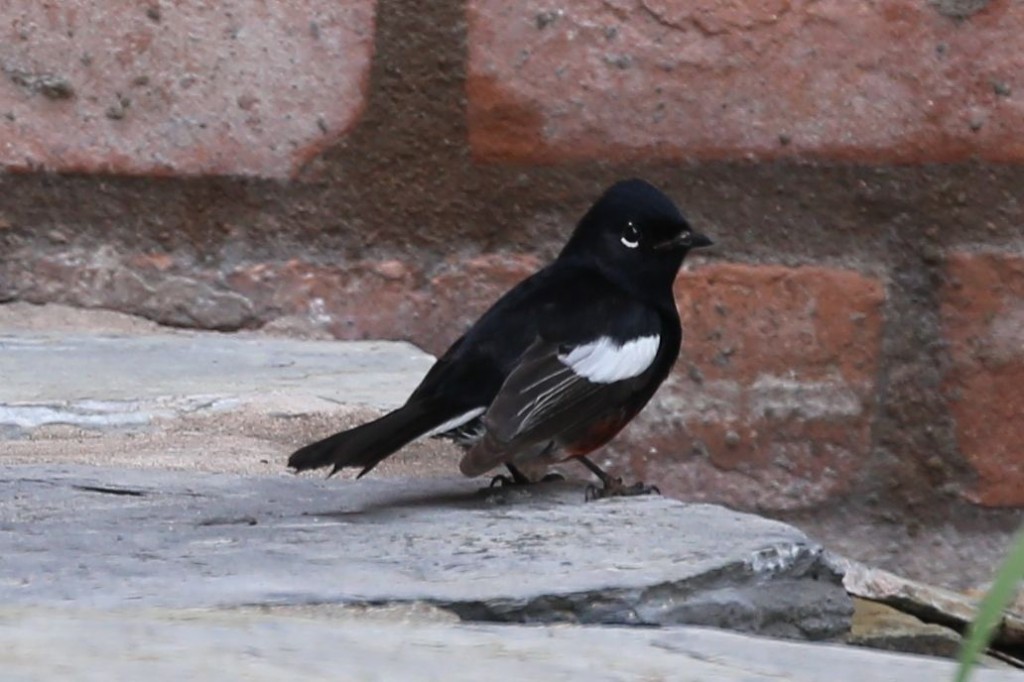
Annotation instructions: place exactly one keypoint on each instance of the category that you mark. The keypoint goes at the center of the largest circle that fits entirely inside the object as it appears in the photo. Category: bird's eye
(630, 236)
(685, 238)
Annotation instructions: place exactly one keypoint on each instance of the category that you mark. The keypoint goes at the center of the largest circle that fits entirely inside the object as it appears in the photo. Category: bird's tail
(367, 445)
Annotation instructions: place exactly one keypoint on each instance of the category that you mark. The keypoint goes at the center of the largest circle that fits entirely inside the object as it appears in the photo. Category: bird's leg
(613, 486)
(517, 477)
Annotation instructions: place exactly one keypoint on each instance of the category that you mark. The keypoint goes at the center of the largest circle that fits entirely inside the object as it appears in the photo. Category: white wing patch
(455, 422)
(605, 361)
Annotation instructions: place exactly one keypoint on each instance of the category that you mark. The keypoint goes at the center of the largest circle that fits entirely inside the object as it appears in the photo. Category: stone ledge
(102, 381)
(106, 537)
(192, 644)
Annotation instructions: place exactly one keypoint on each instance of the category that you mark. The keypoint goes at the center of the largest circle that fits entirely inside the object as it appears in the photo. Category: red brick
(179, 88)
(983, 320)
(770, 404)
(894, 80)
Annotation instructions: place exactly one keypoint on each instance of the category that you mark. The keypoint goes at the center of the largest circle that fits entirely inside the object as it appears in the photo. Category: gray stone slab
(49, 644)
(104, 537)
(109, 380)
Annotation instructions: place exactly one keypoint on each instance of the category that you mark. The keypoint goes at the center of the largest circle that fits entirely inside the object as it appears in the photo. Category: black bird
(561, 363)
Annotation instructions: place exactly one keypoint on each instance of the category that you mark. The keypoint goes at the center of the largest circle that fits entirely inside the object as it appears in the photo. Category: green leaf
(990, 611)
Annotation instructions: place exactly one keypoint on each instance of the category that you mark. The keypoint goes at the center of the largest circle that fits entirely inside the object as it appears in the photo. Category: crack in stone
(105, 490)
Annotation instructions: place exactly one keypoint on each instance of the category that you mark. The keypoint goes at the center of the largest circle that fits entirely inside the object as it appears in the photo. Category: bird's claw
(616, 488)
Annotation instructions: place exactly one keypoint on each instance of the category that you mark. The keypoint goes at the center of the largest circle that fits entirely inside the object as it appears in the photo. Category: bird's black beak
(698, 240)
(686, 240)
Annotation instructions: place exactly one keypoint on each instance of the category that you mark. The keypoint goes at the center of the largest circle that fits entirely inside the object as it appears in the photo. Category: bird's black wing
(582, 379)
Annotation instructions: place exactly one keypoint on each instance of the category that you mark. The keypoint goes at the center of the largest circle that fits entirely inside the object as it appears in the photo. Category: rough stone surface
(236, 88)
(193, 413)
(771, 403)
(929, 603)
(179, 645)
(107, 380)
(878, 626)
(106, 537)
(143, 284)
(900, 81)
(983, 317)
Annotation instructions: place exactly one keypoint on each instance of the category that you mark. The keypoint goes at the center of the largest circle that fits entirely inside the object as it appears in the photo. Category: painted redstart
(561, 363)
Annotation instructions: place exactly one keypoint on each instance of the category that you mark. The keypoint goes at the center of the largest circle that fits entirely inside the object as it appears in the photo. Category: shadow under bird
(560, 363)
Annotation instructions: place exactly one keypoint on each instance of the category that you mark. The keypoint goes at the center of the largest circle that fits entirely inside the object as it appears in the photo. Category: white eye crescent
(631, 236)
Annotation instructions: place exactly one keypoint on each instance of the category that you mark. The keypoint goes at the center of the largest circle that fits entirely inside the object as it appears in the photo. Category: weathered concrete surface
(99, 380)
(160, 646)
(104, 537)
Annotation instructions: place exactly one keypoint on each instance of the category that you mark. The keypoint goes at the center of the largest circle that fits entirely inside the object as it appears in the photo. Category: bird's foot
(503, 481)
(614, 487)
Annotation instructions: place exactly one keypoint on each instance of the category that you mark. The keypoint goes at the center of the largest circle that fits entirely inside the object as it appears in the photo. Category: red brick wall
(896, 80)
(384, 171)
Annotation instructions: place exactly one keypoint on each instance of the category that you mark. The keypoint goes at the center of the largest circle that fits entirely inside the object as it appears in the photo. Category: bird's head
(636, 233)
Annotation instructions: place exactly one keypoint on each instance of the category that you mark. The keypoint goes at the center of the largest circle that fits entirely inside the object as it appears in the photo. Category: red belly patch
(595, 434)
